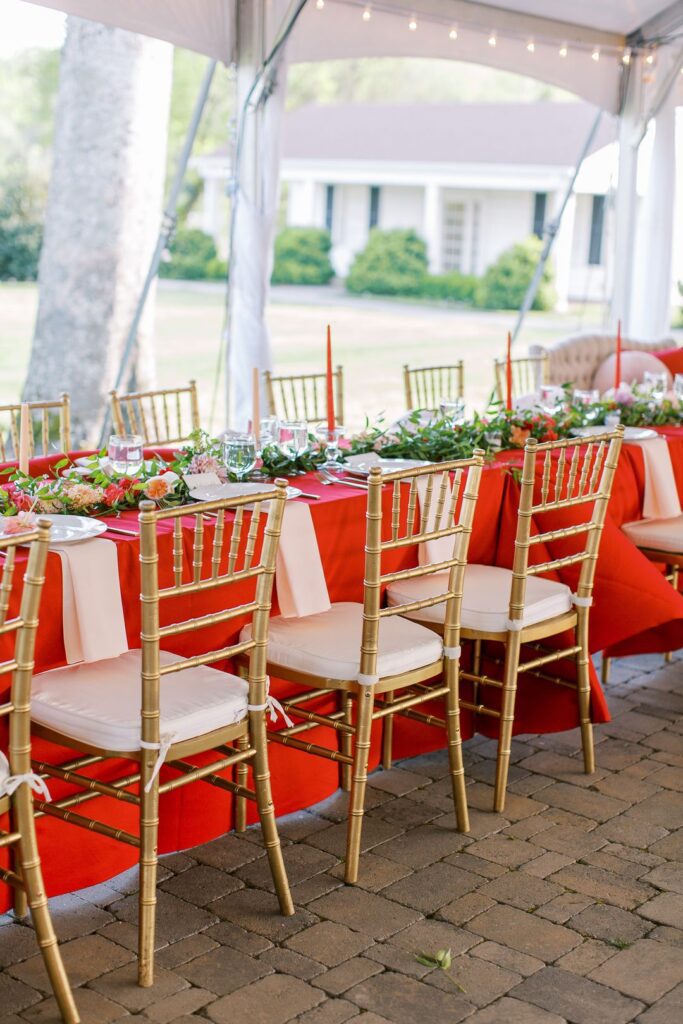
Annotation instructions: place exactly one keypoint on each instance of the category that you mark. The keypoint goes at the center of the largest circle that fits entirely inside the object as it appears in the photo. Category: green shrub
(21, 234)
(392, 263)
(504, 284)
(302, 256)
(193, 255)
(452, 286)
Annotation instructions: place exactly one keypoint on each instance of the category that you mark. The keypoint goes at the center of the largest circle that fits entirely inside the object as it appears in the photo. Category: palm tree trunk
(103, 216)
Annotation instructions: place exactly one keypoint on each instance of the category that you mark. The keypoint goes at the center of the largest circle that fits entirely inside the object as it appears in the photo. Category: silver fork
(328, 478)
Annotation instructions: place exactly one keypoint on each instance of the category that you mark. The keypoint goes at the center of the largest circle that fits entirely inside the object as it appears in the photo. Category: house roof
(543, 133)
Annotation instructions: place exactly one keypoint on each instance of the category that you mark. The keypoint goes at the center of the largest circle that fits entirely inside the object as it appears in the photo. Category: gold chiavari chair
(528, 374)
(426, 386)
(155, 707)
(366, 653)
(17, 781)
(304, 396)
(165, 416)
(661, 541)
(51, 421)
(521, 608)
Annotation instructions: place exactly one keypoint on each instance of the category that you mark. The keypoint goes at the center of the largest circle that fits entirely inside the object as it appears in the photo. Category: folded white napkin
(300, 580)
(660, 500)
(92, 611)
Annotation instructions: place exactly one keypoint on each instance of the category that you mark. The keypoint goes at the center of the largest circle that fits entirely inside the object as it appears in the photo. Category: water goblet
(678, 386)
(240, 454)
(549, 396)
(655, 383)
(292, 437)
(125, 453)
(612, 420)
(452, 409)
(331, 439)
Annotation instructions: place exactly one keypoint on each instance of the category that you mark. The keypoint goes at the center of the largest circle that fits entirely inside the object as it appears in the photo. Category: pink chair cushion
(634, 366)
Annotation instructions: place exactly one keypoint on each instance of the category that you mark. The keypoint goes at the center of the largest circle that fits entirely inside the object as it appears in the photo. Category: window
(597, 225)
(453, 235)
(374, 207)
(329, 207)
(540, 199)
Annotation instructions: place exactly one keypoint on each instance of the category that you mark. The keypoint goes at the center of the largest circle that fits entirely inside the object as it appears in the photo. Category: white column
(562, 252)
(651, 304)
(626, 206)
(432, 226)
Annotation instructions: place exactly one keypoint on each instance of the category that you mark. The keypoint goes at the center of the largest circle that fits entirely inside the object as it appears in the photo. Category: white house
(470, 179)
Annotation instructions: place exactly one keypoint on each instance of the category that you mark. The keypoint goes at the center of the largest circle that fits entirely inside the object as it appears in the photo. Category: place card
(194, 480)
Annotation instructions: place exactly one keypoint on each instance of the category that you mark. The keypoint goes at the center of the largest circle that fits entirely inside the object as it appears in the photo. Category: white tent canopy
(602, 50)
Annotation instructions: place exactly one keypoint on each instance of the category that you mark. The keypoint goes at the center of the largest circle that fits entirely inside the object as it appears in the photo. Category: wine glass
(267, 432)
(331, 439)
(678, 386)
(292, 437)
(655, 383)
(452, 409)
(125, 453)
(240, 454)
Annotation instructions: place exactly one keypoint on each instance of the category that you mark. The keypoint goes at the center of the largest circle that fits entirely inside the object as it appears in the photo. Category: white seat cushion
(661, 534)
(486, 598)
(328, 644)
(99, 702)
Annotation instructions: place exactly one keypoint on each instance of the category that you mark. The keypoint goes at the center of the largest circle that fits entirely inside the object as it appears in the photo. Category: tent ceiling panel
(621, 16)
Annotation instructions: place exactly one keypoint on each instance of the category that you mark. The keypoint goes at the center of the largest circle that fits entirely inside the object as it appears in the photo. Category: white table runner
(301, 586)
(660, 500)
(92, 610)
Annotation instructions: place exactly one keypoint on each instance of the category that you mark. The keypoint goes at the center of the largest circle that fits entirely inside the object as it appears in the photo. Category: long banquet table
(635, 611)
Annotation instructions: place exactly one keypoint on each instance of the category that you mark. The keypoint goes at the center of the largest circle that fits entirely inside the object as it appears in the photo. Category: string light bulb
(650, 59)
(626, 56)
(563, 50)
(412, 25)
(366, 14)
(453, 34)
(531, 46)
(492, 39)
(320, 4)
(595, 55)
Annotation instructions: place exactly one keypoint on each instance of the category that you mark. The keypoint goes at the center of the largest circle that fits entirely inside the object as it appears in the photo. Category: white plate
(85, 468)
(70, 529)
(221, 491)
(362, 464)
(630, 433)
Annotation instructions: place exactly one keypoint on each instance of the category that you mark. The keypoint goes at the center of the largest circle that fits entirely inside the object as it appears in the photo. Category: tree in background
(103, 215)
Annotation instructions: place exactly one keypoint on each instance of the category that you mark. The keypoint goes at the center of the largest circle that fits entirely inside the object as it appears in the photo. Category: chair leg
(241, 780)
(388, 735)
(671, 571)
(147, 899)
(37, 900)
(346, 741)
(264, 802)
(455, 761)
(20, 902)
(605, 670)
(584, 693)
(366, 699)
(507, 718)
(476, 669)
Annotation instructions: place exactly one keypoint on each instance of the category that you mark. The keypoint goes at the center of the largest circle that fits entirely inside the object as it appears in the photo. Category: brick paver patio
(569, 907)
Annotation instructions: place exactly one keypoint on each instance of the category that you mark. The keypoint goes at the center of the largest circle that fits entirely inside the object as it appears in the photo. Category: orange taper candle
(617, 365)
(508, 375)
(330, 383)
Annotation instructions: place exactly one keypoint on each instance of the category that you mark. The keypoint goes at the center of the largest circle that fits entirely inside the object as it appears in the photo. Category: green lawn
(372, 338)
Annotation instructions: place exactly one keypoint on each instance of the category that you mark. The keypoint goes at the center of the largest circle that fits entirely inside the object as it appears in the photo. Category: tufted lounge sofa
(577, 358)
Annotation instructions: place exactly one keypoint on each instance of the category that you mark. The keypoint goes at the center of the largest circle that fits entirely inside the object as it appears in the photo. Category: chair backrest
(425, 386)
(165, 416)
(50, 423)
(528, 373)
(574, 474)
(575, 360)
(426, 506)
(240, 556)
(18, 636)
(304, 396)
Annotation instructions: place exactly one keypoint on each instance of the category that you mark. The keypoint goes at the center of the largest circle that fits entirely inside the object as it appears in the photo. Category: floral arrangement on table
(204, 454)
(634, 404)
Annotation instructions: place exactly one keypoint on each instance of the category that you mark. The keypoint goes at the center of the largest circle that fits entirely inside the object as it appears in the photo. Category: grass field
(372, 339)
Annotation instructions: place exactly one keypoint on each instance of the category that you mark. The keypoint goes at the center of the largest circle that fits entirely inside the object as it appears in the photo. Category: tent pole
(168, 225)
(552, 229)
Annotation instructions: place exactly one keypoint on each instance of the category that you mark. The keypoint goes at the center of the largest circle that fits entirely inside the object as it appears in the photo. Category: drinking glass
(292, 437)
(678, 386)
(655, 383)
(125, 453)
(452, 409)
(612, 420)
(494, 440)
(240, 454)
(267, 431)
(331, 439)
(549, 396)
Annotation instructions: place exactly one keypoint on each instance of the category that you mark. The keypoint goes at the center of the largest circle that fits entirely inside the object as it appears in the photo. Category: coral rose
(519, 436)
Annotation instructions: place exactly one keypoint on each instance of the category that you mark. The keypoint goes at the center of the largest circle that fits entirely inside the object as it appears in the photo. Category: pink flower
(203, 463)
(112, 494)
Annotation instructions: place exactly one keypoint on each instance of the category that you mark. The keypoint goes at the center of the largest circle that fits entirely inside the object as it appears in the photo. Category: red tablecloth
(635, 610)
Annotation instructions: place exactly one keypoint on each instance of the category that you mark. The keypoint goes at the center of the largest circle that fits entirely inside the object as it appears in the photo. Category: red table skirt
(635, 610)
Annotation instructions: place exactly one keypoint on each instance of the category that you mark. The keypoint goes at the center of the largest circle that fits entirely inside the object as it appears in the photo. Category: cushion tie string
(163, 747)
(582, 602)
(364, 680)
(9, 783)
(273, 706)
(514, 625)
(452, 652)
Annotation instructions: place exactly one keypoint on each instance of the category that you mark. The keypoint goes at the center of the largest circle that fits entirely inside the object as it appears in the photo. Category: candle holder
(331, 439)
